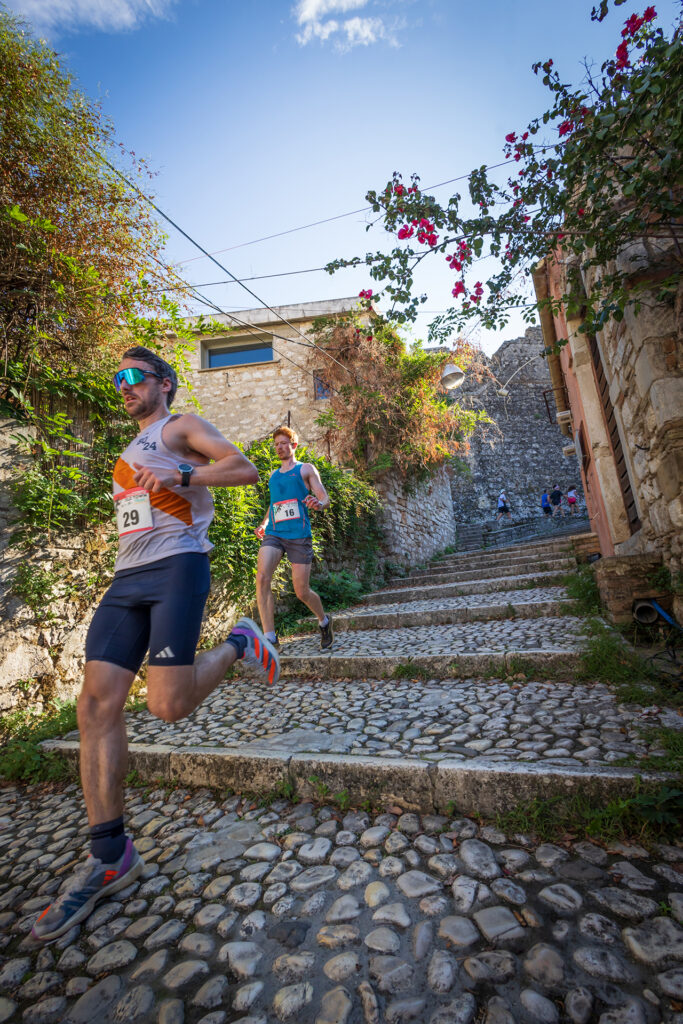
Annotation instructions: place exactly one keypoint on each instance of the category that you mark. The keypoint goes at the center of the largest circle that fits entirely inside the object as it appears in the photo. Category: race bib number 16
(133, 511)
(285, 511)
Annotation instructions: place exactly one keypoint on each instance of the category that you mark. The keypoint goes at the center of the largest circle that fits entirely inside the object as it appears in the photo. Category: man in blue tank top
(295, 488)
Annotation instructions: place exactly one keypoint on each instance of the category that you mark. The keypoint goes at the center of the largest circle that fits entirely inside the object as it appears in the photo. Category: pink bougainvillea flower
(405, 232)
(580, 211)
(459, 289)
(622, 55)
(525, 136)
(398, 190)
(649, 14)
(565, 128)
(365, 294)
(510, 137)
(432, 239)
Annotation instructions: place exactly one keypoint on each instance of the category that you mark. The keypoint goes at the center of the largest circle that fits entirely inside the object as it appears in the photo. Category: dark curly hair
(159, 365)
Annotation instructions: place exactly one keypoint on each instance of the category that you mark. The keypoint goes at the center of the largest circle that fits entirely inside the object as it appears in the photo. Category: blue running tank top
(288, 516)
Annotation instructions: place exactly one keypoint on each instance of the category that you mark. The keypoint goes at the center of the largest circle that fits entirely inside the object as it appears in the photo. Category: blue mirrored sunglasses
(132, 375)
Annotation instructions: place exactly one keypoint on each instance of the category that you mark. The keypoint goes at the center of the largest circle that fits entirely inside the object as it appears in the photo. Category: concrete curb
(442, 666)
(444, 787)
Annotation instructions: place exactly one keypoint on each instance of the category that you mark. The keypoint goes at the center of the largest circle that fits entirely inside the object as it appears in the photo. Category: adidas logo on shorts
(166, 653)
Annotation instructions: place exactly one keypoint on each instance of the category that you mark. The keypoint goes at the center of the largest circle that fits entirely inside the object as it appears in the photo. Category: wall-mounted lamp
(452, 376)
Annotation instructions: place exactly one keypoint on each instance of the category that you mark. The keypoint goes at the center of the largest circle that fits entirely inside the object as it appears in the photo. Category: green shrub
(582, 588)
(35, 585)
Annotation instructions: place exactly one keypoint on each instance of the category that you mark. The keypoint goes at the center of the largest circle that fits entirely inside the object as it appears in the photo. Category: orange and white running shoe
(259, 652)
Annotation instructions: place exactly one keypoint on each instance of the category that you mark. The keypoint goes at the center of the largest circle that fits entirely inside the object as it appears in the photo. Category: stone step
(542, 563)
(482, 558)
(427, 591)
(554, 565)
(545, 645)
(560, 544)
(502, 605)
(479, 788)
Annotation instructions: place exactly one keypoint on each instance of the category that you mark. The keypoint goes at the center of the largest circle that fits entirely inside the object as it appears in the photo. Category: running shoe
(91, 882)
(326, 635)
(259, 652)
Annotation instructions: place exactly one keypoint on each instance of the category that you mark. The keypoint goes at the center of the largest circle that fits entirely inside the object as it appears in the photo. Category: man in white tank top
(156, 601)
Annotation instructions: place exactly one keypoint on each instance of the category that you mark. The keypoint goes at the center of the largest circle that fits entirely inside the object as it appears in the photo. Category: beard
(139, 407)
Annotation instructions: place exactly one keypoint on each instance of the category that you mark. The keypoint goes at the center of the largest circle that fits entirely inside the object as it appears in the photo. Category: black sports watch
(186, 471)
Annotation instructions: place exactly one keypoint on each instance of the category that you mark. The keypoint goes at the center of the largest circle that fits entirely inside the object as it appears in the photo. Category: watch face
(185, 467)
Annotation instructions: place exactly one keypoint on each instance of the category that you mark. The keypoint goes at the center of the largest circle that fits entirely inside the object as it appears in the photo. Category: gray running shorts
(299, 550)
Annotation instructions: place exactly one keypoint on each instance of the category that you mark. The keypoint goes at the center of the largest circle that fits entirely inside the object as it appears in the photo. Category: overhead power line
(221, 266)
(328, 220)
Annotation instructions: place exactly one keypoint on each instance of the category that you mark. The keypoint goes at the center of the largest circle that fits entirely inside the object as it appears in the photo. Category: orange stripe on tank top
(166, 501)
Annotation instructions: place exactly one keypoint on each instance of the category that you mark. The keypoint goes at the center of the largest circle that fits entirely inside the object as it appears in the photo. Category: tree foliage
(387, 410)
(597, 181)
(79, 249)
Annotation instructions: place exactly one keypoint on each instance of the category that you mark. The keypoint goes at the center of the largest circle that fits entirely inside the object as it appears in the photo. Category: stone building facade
(252, 379)
(625, 390)
(521, 450)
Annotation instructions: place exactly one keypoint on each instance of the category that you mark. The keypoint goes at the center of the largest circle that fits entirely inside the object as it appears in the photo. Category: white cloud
(55, 16)
(345, 33)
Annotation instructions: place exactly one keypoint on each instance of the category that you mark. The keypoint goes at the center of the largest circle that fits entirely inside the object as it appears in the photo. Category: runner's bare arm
(191, 436)
(319, 498)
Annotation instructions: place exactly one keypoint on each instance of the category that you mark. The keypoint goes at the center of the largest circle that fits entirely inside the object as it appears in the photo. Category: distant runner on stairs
(286, 530)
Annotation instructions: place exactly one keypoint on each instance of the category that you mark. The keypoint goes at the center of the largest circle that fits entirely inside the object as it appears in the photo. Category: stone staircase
(511, 594)
(453, 687)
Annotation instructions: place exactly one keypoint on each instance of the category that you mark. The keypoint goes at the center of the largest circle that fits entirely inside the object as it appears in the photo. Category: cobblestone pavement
(559, 633)
(560, 724)
(537, 595)
(296, 913)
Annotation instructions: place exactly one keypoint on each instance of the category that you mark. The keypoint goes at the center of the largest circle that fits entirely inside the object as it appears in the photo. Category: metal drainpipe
(540, 278)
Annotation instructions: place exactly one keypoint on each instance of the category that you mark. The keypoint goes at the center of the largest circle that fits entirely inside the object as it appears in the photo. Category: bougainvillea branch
(597, 172)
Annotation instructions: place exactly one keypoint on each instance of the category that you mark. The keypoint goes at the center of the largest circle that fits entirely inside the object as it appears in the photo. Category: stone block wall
(624, 579)
(643, 361)
(417, 523)
(521, 451)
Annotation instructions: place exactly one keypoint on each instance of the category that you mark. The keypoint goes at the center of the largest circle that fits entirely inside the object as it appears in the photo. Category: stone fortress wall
(521, 451)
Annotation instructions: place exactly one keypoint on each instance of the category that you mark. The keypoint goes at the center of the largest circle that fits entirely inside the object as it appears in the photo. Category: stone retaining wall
(417, 524)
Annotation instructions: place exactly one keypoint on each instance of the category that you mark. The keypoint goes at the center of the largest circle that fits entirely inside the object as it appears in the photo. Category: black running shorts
(156, 607)
(299, 550)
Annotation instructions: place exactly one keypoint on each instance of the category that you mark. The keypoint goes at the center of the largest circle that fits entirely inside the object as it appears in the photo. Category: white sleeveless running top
(181, 515)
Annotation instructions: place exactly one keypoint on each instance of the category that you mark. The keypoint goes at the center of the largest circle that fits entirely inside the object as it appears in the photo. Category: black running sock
(108, 840)
(239, 642)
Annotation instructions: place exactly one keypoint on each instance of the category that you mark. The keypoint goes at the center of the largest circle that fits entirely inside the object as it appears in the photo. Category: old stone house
(256, 377)
(620, 396)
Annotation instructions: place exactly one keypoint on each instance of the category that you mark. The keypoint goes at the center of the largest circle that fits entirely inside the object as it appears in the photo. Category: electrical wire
(308, 342)
(328, 220)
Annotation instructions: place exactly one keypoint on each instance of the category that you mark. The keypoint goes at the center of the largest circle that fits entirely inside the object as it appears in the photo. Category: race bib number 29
(285, 511)
(133, 511)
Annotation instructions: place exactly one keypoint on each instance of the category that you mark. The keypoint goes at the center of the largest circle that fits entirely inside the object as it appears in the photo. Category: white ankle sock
(271, 635)
(324, 622)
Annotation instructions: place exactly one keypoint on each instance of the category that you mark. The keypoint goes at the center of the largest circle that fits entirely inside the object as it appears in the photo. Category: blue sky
(263, 116)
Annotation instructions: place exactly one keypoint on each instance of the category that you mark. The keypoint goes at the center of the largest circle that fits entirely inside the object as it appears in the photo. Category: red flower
(649, 14)
(622, 55)
(525, 136)
(560, 236)
(459, 289)
(432, 239)
(365, 294)
(510, 137)
(565, 128)
(581, 211)
(398, 190)
(405, 232)
(517, 156)
(632, 25)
